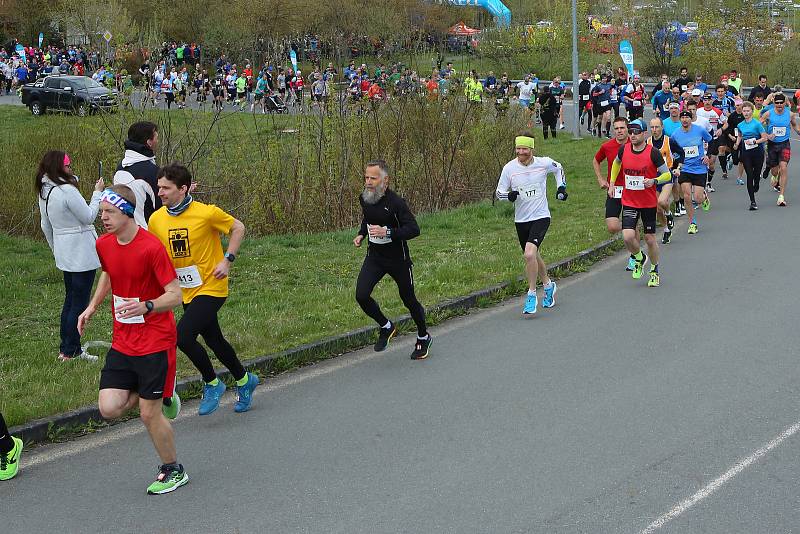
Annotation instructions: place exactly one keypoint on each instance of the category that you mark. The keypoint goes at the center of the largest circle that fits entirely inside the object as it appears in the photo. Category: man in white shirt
(524, 182)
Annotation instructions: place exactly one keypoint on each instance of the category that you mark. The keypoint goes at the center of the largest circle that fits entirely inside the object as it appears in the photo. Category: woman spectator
(67, 223)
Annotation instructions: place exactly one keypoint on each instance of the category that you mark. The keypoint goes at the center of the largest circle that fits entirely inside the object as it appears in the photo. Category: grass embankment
(285, 289)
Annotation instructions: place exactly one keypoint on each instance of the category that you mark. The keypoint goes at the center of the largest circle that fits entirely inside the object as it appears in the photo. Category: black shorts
(630, 217)
(613, 207)
(777, 152)
(532, 232)
(599, 110)
(146, 375)
(698, 180)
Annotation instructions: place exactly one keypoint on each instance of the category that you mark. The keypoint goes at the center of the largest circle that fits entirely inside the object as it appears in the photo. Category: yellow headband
(524, 141)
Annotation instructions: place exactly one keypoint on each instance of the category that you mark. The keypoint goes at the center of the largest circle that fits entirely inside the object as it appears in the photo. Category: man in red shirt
(608, 151)
(140, 365)
(642, 167)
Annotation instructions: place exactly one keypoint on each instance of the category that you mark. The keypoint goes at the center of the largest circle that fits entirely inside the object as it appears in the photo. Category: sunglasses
(635, 131)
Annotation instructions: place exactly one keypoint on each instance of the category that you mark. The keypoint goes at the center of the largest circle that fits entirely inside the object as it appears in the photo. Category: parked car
(77, 94)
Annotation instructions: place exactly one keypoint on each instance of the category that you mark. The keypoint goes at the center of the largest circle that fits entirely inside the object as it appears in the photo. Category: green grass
(286, 290)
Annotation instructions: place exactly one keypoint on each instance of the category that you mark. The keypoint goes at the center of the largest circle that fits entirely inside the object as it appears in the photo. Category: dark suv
(79, 94)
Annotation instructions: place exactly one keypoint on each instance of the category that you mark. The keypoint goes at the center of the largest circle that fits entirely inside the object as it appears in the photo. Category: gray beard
(372, 197)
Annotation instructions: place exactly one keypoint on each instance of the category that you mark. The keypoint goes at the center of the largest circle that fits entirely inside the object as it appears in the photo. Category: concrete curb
(39, 430)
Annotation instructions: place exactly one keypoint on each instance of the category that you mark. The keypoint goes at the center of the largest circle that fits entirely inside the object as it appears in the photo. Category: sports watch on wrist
(389, 232)
(149, 305)
(230, 257)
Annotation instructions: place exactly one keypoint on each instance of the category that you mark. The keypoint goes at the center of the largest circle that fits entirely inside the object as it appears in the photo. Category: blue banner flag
(41, 39)
(293, 57)
(626, 53)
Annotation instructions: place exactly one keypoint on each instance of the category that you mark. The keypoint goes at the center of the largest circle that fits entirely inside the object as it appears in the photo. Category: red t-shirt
(608, 151)
(636, 167)
(139, 270)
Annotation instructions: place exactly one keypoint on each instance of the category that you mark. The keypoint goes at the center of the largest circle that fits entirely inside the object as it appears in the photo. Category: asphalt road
(621, 405)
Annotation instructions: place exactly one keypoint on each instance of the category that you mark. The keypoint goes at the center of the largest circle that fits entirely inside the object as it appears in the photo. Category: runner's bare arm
(100, 294)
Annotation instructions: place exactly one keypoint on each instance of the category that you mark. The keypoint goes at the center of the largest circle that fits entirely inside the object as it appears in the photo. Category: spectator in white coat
(67, 223)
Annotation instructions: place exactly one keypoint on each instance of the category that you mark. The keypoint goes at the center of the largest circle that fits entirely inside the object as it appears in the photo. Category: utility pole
(575, 80)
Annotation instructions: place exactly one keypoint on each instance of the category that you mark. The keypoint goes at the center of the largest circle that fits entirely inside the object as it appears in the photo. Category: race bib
(618, 191)
(499, 100)
(604, 103)
(637, 103)
(531, 192)
(380, 240)
(691, 151)
(634, 183)
(779, 131)
(558, 100)
(683, 87)
(584, 97)
(189, 277)
(133, 319)
(750, 144)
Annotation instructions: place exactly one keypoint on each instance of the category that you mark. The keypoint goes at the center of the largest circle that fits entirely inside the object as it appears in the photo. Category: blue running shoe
(631, 264)
(245, 393)
(549, 299)
(211, 397)
(530, 306)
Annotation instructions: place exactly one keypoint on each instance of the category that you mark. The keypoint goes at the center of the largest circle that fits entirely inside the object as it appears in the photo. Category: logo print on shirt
(179, 243)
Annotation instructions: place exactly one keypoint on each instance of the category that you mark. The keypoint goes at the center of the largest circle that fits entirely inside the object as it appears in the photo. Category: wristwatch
(389, 232)
(149, 305)
(230, 257)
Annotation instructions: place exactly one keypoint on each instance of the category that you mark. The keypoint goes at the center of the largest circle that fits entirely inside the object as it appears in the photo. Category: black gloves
(512, 195)
(561, 193)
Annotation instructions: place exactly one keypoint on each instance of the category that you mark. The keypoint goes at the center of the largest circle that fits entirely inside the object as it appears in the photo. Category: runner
(661, 101)
(750, 139)
(634, 95)
(779, 150)
(642, 167)
(524, 181)
(601, 104)
(728, 138)
(138, 169)
(672, 153)
(388, 224)
(692, 174)
(608, 152)
(140, 365)
(10, 451)
(190, 231)
(584, 94)
(711, 118)
(525, 90)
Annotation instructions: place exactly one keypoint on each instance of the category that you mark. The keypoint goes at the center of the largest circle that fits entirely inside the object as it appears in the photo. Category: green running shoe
(639, 268)
(692, 228)
(655, 280)
(706, 204)
(9, 462)
(172, 410)
(169, 479)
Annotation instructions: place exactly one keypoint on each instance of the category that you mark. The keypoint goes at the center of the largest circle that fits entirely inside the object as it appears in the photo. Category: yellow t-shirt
(193, 242)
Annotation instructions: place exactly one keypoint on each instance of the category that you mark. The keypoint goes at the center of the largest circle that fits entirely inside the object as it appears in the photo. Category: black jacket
(392, 212)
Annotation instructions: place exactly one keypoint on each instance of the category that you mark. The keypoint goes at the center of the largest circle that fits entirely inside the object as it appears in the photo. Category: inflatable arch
(495, 7)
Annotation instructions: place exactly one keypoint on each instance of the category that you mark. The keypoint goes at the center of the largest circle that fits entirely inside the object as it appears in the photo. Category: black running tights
(752, 161)
(200, 319)
(6, 443)
(372, 271)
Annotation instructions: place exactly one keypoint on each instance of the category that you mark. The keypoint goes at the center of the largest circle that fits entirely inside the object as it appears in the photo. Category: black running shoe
(384, 336)
(421, 348)
(753, 206)
(667, 238)
(670, 221)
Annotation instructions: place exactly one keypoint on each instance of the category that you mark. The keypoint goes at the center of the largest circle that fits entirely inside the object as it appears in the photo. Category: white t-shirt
(531, 183)
(703, 123)
(711, 118)
(525, 90)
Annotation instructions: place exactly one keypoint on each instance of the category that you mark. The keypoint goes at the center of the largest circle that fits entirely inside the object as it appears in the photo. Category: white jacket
(67, 223)
(141, 189)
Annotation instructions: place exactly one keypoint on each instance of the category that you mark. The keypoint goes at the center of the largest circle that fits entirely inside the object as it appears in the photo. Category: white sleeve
(75, 203)
(503, 186)
(558, 171)
(47, 228)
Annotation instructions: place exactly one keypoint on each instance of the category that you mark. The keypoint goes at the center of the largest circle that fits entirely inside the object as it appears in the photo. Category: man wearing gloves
(524, 182)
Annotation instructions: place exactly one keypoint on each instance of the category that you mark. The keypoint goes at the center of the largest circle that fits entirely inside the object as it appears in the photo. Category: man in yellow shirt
(190, 231)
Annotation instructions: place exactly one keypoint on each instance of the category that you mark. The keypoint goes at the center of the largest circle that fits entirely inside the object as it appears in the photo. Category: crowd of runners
(161, 248)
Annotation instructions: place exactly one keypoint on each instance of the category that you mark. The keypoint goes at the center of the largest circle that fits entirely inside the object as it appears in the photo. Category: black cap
(686, 113)
(780, 97)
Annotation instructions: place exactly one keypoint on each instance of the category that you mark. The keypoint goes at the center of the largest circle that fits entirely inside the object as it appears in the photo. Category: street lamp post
(575, 81)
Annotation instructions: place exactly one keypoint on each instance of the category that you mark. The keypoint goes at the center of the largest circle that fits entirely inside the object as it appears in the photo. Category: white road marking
(715, 484)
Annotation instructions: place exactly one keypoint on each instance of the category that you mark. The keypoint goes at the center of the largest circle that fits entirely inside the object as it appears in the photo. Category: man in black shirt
(762, 89)
(388, 224)
(683, 80)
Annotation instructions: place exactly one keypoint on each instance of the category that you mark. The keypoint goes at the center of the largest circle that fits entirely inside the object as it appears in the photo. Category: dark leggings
(549, 122)
(200, 319)
(6, 443)
(752, 161)
(372, 271)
